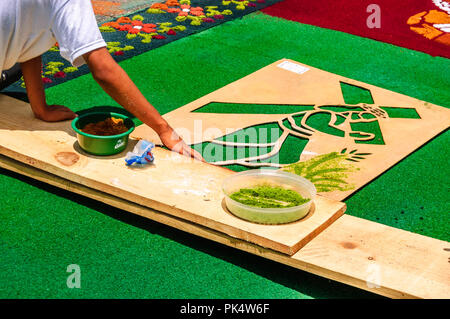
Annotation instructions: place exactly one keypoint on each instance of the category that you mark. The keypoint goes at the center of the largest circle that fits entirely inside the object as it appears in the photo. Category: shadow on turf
(306, 283)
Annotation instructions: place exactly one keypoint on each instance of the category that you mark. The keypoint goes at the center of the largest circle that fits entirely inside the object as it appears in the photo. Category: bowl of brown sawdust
(103, 133)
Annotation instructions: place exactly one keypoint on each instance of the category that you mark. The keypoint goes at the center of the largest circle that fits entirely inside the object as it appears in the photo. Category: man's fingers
(197, 155)
(71, 115)
(186, 150)
(177, 148)
(60, 113)
(61, 108)
(177, 145)
(193, 153)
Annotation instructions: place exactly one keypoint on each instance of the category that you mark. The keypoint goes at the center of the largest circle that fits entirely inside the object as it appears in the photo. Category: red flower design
(59, 74)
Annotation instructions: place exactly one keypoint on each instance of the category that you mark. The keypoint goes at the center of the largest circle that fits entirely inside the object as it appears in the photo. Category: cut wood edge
(188, 189)
(350, 276)
(336, 208)
(259, 87)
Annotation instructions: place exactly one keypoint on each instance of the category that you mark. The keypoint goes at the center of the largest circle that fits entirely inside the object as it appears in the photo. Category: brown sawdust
(109, 126)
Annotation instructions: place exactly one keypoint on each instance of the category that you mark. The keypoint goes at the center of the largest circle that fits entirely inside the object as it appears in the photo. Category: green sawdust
(328, 172)
(266, 196)
(125, 256)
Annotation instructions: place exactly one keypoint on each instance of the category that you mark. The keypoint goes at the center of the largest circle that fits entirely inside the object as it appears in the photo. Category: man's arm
(114, 81)
(31, 71)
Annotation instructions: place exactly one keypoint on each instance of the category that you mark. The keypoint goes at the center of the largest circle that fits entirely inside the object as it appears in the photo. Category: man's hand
(114, 81)
(55, 113)
(35, 89)
(175, 143)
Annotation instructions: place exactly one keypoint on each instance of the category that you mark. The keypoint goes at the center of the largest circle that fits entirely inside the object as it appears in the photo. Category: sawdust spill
(67, 158)
(206, 187)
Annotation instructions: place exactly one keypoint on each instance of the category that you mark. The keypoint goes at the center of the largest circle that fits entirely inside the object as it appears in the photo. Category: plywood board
(357, 252)
(175, 184)
(355, 144)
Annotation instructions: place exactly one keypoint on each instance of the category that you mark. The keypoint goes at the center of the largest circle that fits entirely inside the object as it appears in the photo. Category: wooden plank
(399, 135)
(357, 252)
(175, 184)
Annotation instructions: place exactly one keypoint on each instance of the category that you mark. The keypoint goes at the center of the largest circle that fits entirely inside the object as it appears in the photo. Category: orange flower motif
(124, 20)
(132, 26)
(160, 6)
(432, 24)
(113, 24)
(186, 9)
(116, 24)
(137, 26)
(172, 3)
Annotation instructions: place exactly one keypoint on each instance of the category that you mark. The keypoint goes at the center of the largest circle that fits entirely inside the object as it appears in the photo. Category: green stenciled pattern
(354, 94)
(328, 172)
(368, 127)
(321, 120)
(398, 112)
(245, 108)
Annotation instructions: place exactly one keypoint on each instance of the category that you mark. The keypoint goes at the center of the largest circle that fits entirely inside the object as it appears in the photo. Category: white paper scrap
(296, 68)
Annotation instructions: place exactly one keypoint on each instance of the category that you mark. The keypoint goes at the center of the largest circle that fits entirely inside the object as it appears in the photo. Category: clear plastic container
(258, 177)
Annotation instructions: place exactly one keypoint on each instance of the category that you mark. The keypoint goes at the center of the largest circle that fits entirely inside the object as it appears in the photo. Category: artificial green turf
(354, 94)
(238, 108)
(397, 112)
(121, 255)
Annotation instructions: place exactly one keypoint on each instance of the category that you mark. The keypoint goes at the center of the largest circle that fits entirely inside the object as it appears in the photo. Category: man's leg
(10, 76)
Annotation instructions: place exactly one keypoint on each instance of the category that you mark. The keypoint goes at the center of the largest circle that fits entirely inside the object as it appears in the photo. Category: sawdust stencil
(339, 132)
(174, 184)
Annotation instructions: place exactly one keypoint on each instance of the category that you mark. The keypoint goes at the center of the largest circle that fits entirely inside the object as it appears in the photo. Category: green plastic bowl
(101, 145)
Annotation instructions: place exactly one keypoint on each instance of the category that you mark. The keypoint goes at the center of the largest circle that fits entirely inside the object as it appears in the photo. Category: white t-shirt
(28, 28)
